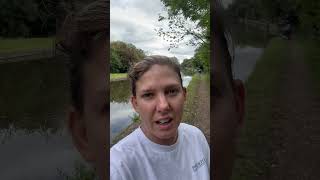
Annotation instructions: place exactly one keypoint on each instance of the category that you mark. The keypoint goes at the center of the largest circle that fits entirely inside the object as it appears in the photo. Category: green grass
(254, 154)
(312, 50)
(114, 76)
(191, 103)
(25, 44)
(80, 172)
(135, 118)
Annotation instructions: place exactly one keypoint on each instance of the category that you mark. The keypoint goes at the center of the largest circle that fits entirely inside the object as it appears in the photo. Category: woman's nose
(163, 104)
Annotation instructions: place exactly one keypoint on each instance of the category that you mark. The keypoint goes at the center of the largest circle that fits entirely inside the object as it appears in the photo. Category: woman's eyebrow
(147, 90)
(173, 86)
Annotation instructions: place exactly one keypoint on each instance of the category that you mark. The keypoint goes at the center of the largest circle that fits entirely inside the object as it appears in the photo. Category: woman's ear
(134, 103)
(77, 129)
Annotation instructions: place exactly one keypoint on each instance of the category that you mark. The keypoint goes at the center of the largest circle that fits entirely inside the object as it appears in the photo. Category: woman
(162, 147)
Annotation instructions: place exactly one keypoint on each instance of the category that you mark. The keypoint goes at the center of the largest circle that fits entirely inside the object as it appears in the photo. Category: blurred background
(276, 53)
(34, 93)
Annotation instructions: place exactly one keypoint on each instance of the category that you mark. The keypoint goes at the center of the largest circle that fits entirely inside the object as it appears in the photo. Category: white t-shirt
(137, 158)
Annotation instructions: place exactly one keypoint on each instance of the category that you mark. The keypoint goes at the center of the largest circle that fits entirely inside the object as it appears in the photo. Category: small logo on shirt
(199, 164)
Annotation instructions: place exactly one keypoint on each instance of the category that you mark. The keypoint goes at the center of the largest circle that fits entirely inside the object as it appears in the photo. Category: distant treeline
(34, 18)
(124, 55)
(303, 14)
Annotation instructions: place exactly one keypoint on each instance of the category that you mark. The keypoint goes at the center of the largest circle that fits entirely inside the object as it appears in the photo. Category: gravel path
(297, 140)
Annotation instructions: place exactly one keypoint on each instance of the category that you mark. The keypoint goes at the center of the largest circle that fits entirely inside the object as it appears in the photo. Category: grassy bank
(191, 103)
(115, 76)
(25, 44)
(81, 171)
(254, 155)
(312, 50)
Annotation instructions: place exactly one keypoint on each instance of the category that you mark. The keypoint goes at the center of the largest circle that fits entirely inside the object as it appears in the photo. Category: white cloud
(135, 21)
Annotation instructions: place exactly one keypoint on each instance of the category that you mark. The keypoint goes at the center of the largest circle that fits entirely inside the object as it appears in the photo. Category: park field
(25, 44)
(115, 76)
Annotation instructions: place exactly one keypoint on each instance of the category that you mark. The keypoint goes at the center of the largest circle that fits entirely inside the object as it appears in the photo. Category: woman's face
(89, 128)
(159, 101)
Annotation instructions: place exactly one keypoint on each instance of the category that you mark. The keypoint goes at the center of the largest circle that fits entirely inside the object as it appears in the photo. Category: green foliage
(114, 76)
(30, 18)
(310, 16)
(179, 11)
(202, 56)
(192, 101)
(123, 55)
(135, 118)
(187, 67)
(306, 13)
(25, 44)
(115, 63)
(199, 63)
(81, 172)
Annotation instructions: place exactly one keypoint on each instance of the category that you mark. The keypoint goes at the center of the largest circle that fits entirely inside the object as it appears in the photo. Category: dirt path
(203, 109)
(297, 133)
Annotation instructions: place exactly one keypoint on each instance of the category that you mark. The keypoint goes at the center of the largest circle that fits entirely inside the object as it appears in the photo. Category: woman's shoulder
(190, 129)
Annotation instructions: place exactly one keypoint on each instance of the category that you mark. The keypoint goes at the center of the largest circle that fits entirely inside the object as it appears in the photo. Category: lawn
(114, 76)
(192, 103)
(25, 44)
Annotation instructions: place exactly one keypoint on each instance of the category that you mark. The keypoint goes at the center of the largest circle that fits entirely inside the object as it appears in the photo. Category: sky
(135, 21)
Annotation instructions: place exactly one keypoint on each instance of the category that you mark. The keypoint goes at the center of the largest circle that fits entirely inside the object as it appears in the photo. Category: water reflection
(33, 140)
(249, 46)
(245, 61)
(122, 111)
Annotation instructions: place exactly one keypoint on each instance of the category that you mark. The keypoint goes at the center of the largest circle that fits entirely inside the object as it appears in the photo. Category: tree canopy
(305, 13)
(180, 12)
(123, 55)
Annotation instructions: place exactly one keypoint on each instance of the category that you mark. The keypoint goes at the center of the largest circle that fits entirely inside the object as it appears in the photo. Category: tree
(123, 55)
(202, 57)
(179, 12)
(187, 67)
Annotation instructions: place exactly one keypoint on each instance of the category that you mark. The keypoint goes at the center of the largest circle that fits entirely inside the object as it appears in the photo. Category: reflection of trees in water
(44, 132)
(120, 91)
(33, 94)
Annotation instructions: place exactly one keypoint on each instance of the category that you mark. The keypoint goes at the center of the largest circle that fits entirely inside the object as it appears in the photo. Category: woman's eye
(173, 91)
(147, 95)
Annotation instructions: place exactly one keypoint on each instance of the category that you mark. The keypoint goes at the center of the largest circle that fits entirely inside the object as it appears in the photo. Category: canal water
(249, 45)
(121, 110)
(34, 143)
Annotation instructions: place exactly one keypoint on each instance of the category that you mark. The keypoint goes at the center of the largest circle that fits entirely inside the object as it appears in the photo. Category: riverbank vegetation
(123, 55)
(300, 14)
(116, 76)
(25, 44)
(312, 50)
(254, 154)
(191, 102)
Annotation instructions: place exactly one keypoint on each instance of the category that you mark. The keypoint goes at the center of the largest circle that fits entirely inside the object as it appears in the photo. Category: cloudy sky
(135, 21)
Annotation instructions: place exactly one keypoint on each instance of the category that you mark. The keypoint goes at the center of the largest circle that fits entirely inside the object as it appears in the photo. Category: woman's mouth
(164, 123)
